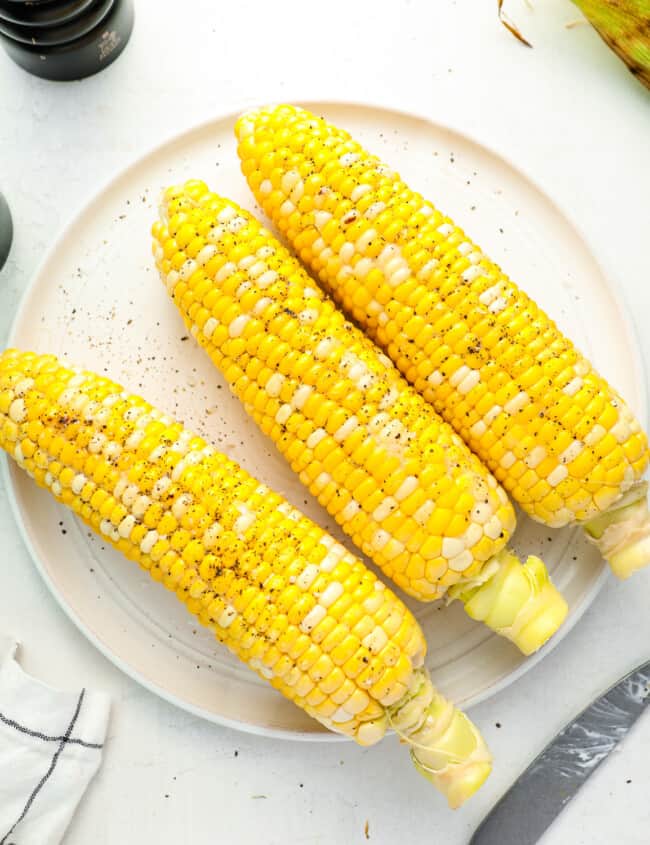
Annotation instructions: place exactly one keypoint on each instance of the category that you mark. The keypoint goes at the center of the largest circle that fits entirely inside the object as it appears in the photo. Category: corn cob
(391, 472)
(276, 589)
(561, 441)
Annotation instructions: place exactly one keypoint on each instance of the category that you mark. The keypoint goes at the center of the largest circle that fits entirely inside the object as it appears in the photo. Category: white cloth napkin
(50, 747)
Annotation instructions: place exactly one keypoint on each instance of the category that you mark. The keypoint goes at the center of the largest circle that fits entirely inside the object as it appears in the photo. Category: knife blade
(541, 792)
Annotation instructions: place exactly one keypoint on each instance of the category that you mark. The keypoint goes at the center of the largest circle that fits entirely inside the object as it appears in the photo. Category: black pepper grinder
(6, 230)
(65, 39)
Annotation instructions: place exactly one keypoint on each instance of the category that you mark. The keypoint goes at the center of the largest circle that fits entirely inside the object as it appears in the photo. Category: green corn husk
(624, 25)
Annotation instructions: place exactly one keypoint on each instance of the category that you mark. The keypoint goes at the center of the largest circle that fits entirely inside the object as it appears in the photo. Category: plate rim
(613, 288)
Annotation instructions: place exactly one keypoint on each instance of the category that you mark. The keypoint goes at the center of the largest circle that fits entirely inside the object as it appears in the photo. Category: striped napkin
(50, 747)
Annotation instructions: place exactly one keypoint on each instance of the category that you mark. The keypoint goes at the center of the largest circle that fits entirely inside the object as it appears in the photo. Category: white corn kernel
(359, 191)
(315, 438)
(78, 483)
(140, 506)
(493, 528)
(129, 495)
(180, 506)
(451, 547)
(571, 452)
(321, 218)
(307, 576)
(469, 382)
(331, 593)
(315, 615)
(126, 526)
(557, 475)
(459, 375)
(490, 294)
(375, 640)
(266, 280)
(595, 435)
(225, 272)
(211, 535)
(205, 254)
(161, 486)
(374, 209)
(422, 514)
(472, 536)
(461, 561)
(408, 486)
(350, 510)
(517, 403)
(621, 431)
(236, 328)
(481, 513)
(301, 395)
(478, 429)
(498, 305)
(209, 326)
(187, 269)
(472, 272)
(379, 539)
(227, 617)
(384, 509)
(492, 414)
(274, 384)
(18, 410)
(283, 414)
(350, 425)
(536, 456)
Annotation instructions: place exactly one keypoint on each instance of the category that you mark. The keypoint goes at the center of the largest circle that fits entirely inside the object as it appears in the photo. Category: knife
(541, 792)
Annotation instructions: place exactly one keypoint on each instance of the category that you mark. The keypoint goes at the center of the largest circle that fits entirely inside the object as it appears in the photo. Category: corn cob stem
(622, 533)
(430, 515)
(517, 602)
(445, 746)
(553, 432)
(279, 592)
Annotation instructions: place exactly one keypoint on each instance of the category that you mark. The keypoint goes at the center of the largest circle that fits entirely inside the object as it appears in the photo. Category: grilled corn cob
(288, 600)
(392, 473)
(560, 440)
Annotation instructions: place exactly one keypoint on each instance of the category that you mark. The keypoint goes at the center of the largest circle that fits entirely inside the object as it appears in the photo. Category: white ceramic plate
(97, 300)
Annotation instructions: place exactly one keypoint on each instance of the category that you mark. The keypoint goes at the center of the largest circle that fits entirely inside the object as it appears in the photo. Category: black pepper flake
(497, 724)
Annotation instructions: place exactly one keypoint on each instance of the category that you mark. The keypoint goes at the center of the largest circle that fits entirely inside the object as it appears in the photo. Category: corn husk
(624, 25)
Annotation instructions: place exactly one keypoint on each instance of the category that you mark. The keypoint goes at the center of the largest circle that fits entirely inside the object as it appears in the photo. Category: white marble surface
(566, 112)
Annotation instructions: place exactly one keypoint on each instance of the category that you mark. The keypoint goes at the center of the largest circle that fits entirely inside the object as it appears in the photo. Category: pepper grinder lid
(6, 230)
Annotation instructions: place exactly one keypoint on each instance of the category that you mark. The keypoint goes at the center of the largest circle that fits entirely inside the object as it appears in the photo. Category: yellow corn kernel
(494, 365)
